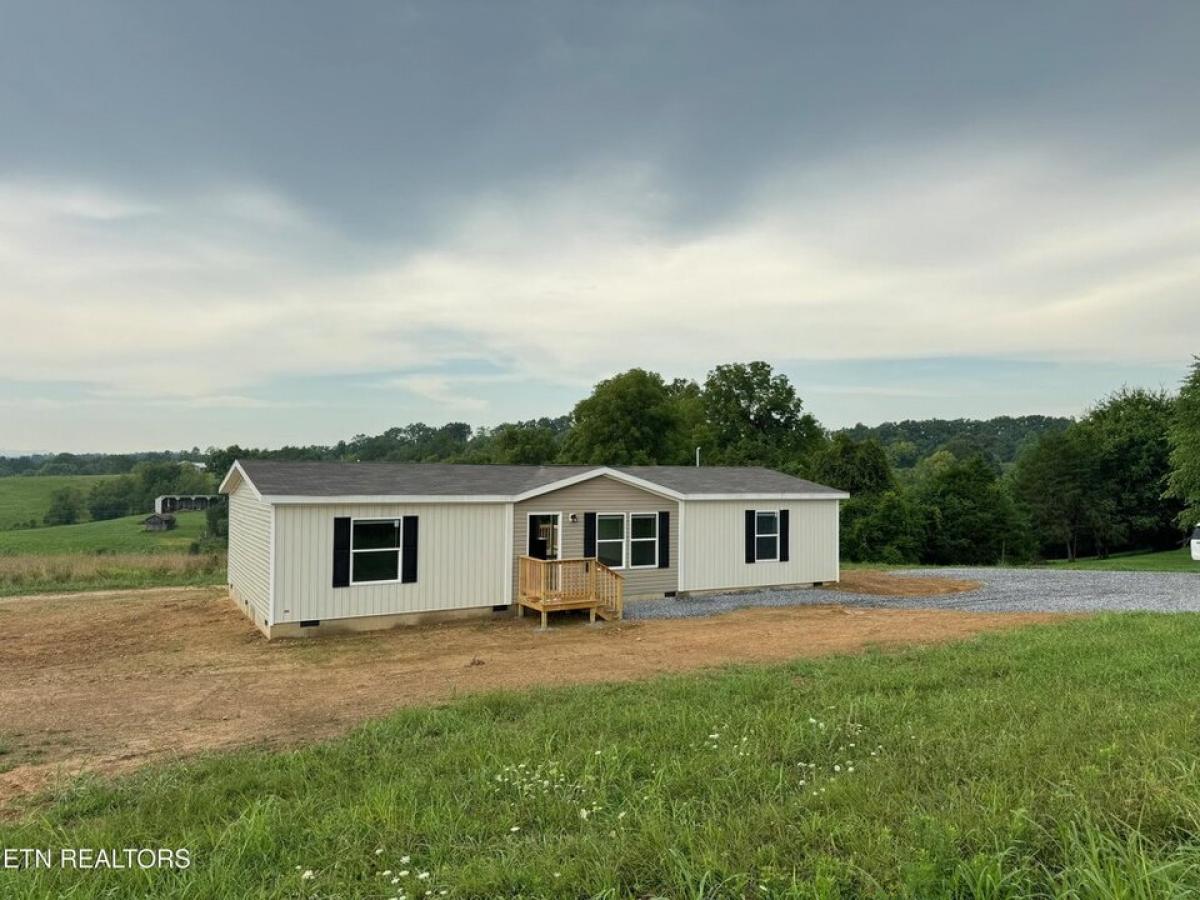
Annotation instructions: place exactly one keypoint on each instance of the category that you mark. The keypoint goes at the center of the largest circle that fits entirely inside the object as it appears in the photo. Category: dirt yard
(885, 584)
(105, 682)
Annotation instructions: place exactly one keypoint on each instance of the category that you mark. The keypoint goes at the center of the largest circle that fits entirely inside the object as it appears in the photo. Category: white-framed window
(375, 550)
(766, 535)
(610, 539)
(643, 540)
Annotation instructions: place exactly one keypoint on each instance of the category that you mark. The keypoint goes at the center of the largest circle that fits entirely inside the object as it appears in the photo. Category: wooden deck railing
(584, 583)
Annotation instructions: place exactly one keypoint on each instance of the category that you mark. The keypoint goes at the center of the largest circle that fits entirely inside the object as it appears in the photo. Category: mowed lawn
(27, 497)
(1164, 561)
(1055, 760)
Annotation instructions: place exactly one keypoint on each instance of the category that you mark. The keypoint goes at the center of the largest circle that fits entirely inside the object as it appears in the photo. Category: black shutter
(408, 549)
(783, 535)
(589, 534)
(749, 535)
(341, 551)
(664, 540)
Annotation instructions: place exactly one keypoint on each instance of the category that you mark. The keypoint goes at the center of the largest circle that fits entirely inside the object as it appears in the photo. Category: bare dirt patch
(888, 584)
(106, 682)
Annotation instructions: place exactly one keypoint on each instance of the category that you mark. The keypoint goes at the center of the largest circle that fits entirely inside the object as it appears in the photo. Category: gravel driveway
(1004, 590)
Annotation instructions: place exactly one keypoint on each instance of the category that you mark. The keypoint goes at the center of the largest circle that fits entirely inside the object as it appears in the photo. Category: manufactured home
(321, 546)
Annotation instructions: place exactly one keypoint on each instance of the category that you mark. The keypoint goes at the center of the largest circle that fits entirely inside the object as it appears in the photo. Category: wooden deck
(554, 585)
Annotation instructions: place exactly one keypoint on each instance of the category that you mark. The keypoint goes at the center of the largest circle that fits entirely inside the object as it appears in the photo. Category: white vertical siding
(462, 561)
(602, 495)
(714, 545)
(250, 552)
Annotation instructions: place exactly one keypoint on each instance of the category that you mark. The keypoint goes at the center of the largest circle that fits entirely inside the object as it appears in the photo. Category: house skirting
(377, 623)
(754, 589)
(243, 606)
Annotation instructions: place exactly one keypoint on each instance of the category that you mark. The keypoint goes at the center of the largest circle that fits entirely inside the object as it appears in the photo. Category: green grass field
(26, 497)
(1059, 760)
(124, 535)
(109, 555)
(1165, 561)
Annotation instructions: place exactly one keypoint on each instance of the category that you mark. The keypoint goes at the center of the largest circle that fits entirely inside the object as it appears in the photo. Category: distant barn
(169, 503)
(158, 522)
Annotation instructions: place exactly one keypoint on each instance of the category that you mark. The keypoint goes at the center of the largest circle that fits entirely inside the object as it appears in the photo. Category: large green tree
(887, 527)
(629, 419)
(111, 498)
(1052, 481)
(1097, 487)
(66, 507)
(860, 467)
(525, 443)
(1183, 483)
(972, 518)
(1126, 441)
(754, 417)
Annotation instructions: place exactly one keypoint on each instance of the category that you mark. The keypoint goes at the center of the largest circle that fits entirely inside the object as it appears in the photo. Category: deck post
(544, 625)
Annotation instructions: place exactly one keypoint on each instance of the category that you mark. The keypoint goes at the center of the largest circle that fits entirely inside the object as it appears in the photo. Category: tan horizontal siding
(250, 551)
(462, 561)
(603, 495)
(714, 544)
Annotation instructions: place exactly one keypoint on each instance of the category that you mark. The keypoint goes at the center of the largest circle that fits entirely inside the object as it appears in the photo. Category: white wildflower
(308, 874)
(422, 875)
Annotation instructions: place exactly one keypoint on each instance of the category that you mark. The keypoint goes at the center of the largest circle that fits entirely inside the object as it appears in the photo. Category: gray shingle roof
(726, 480)
(342, 479)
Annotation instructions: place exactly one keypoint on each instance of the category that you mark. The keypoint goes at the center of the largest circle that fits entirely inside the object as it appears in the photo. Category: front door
(543, 535)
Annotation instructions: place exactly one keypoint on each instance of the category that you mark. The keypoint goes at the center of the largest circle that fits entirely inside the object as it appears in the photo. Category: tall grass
(1055, 761)
(32, 573)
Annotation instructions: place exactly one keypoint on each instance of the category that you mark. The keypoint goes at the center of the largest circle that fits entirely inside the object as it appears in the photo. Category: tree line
(1123, 476)
(90, 463)
(123, 495)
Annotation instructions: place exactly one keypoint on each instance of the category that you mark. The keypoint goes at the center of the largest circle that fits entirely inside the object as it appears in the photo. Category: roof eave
(597, 472)
(318, 500)
(228, 483)
(789, 495)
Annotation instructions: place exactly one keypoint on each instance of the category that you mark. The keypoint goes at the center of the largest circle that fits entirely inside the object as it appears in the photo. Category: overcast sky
(293, 222)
